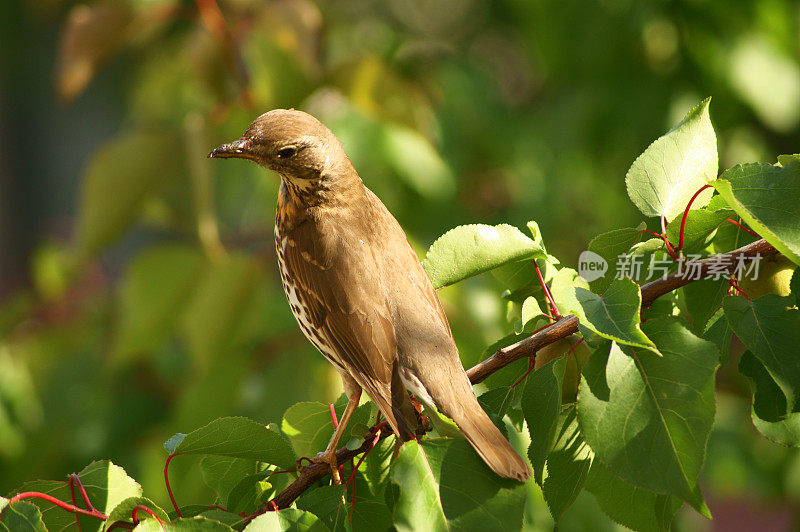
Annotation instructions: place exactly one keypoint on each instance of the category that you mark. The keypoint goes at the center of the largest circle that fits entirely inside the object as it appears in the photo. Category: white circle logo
(591, 266)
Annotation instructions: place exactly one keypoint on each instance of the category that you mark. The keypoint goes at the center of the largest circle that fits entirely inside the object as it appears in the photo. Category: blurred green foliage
(163, 310)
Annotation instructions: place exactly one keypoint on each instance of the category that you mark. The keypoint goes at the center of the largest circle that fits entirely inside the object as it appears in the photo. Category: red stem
(686, 213)
(169, 489)
(547, 293)
(333, 417)
(670, 249)
(61, 504)
(146, 510)
(743, 227)
(571, 349)
(735, 285)
(74, 502)
(85, 496)
(531, 364)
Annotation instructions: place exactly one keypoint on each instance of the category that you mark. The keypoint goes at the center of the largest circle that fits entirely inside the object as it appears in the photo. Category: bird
(358, 290)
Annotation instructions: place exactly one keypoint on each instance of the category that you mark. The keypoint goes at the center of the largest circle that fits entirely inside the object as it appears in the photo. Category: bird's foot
(328, 456)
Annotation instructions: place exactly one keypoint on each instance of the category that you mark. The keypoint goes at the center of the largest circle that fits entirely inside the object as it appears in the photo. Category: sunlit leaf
(443, 484)
(568, 464)
(767, 197)
(21, 516)
(238, 437)
(468, 250)
(648, 417)
(609, 246)
(614, 315)
(288, 519)
(124, 511)
(663, 178)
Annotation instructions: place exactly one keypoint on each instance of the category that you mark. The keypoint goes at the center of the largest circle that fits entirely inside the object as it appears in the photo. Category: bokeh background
(139, 295)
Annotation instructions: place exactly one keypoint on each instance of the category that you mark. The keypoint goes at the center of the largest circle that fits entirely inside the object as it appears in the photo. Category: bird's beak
(239, 149)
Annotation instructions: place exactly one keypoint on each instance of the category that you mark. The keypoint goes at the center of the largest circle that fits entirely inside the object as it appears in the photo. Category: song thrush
(358, 290)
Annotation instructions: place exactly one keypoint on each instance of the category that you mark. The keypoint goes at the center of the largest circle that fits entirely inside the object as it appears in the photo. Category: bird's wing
(339, 290)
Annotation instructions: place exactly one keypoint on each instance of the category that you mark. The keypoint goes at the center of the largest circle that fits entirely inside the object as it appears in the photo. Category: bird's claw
(329, 457)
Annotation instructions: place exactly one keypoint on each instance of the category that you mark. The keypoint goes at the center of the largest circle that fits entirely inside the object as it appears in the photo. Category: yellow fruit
(774, 276)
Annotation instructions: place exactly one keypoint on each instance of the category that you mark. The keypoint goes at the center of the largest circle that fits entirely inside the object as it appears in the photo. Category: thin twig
(650, 292)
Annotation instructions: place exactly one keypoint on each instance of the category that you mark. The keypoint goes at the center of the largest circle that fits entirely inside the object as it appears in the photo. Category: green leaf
(794, 286)
(172, 443)
(568, 465)
(53, 517)
(106, 484)
(663, 178)
(124, 511)
(703, 298)
(469, 250)
(153, 290)
(628, 505)
(772, 332)
(496, 403)
(419, 505)
(121, 176)
(614, 315)
(369, 512)
(379, 465)
(770, 414)
(648, 246)
(648, 417)
(247, 495)
(609, 246)
(326, 502)
(223, 473)
(417, 162)
(239, 437)
(767, 197)
(532, 316)
(541, 404)
(444, 485)
(21, 516)
(308, 426)
(289, 519)
(700, 226)
(719, 332)
(563, 281)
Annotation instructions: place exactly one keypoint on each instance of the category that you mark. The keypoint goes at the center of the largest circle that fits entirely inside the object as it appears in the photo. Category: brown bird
(358, 290)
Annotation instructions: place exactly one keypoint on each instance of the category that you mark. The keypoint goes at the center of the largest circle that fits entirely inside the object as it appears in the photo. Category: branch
(695, 270)
(564, 327)
(314, 472)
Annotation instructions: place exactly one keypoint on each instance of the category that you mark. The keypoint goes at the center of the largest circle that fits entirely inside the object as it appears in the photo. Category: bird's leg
(328, 456)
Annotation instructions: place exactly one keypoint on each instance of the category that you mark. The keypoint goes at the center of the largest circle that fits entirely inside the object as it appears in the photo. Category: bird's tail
(454, 398)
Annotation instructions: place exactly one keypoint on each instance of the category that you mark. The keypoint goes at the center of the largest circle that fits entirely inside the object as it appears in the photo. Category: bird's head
(292, 143)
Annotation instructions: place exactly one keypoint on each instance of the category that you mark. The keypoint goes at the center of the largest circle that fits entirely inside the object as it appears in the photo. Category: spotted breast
(299, 307)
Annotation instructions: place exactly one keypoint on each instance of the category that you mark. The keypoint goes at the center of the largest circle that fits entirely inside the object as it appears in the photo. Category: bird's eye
(286, 153)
